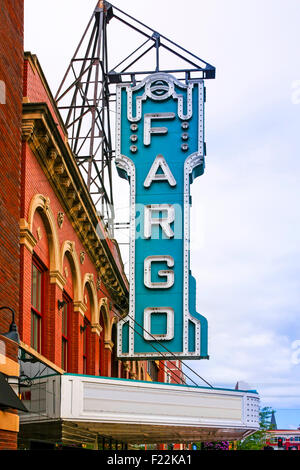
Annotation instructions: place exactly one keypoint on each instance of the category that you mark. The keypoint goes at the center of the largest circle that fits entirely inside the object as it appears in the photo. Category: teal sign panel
(160, 151)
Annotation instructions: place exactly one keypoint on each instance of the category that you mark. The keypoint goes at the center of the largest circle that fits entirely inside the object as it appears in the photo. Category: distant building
(283, 439)
(273, 423)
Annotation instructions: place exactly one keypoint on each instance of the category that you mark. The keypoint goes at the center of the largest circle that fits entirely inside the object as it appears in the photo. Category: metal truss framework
(88, 88)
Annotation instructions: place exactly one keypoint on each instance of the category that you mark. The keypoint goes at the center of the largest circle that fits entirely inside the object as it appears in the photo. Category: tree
(257, 440)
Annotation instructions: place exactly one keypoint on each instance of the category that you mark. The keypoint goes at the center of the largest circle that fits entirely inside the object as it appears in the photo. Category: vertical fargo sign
(160, 150)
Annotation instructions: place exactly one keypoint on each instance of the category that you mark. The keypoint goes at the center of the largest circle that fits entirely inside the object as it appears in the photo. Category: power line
(158, 342)
(170, 352)
(156, 348)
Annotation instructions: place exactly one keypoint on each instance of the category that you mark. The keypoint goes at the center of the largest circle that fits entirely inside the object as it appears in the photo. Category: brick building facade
(11, 71)
(62, 275)
(73, 289)
(66, 254)
(59, 270)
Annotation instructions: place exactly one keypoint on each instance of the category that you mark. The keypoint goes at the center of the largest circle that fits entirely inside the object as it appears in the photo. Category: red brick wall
(11, 72)
(8, 440)
(34, 181)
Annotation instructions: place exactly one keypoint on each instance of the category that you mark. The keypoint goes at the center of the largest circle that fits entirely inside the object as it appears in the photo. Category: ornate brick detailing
(57, 161)
(82, 257)
(60, 219)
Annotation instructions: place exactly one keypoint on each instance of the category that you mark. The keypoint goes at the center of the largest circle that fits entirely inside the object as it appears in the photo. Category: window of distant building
(37, 304)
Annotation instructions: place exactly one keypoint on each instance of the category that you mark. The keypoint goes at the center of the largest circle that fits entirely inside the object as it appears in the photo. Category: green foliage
(258, 440)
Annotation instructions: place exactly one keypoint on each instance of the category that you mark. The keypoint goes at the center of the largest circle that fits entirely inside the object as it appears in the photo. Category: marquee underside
(141, 412)
(151, 434)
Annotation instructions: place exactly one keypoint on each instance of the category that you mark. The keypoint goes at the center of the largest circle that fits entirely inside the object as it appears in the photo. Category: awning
(8, 398)
(144, 412)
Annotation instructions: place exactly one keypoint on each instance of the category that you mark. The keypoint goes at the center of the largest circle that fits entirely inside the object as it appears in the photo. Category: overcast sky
(245, 220)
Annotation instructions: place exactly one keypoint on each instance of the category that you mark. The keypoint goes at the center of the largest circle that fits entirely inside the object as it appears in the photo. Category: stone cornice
(26, 237)
(96, 328)
(79, 307)
(58, 163)
(108, 345)
(57, 278)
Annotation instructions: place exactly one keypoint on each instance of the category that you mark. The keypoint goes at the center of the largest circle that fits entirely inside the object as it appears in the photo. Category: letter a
(167, 175)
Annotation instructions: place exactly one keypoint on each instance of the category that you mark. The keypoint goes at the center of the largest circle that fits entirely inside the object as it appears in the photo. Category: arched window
(67, 315)
(38, 284)
(66, 332)
(86, 346)
(101, 342)
(88, 300)
(114, 360)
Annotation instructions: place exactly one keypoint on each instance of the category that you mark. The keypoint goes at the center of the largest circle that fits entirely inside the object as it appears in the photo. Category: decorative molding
(42, 203)
(57, 278)
(39, 233)
(80, 307)
(52, 154)
(26, 236)
(108, 344)
(103, 303)
(47, 204)
(60, 219)
(96, 328)
(27, 129)
(82, 257)
(57, 161)
(69, 247)
(94, 309)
